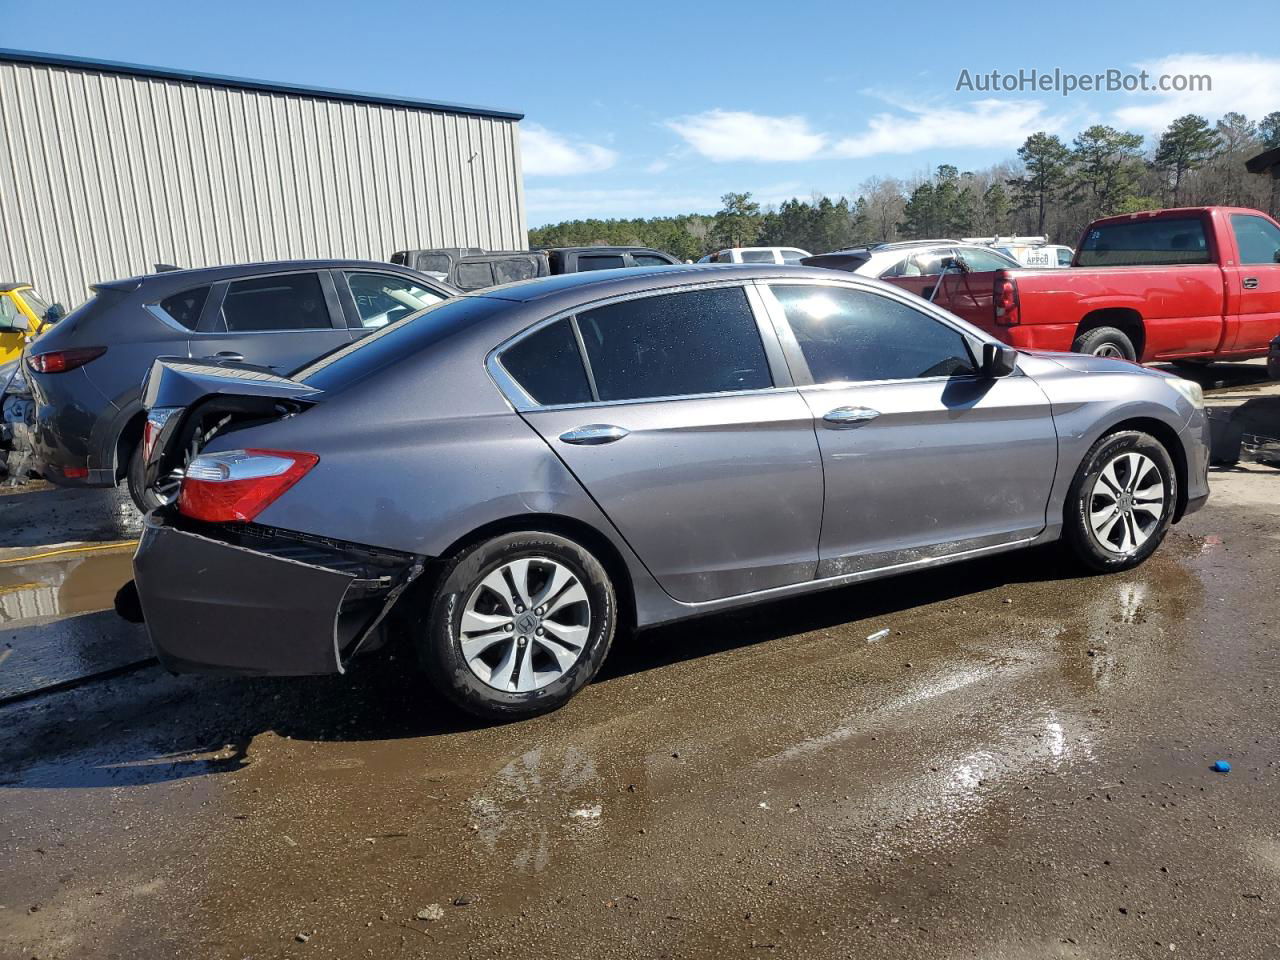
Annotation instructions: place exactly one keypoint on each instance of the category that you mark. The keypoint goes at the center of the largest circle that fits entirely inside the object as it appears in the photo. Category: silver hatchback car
(515, 475)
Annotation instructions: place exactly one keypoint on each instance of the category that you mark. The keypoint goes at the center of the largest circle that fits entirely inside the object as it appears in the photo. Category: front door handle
(1251, 283)
(594, 434)
(843, 418)
(230, 355)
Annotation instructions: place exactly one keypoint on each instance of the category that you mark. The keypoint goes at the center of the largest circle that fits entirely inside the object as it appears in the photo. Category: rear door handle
(594, 434)
(230, 355)
(1251, 283)
(844, 418)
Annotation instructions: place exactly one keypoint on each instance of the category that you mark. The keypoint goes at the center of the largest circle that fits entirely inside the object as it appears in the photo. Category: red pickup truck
(1191, 284)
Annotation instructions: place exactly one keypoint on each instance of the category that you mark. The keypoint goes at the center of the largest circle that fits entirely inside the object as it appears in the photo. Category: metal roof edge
(243, 83)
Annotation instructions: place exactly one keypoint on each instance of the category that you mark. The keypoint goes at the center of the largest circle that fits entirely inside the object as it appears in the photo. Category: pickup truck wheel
(1105, 342)
(518, 625)
(1121, 501)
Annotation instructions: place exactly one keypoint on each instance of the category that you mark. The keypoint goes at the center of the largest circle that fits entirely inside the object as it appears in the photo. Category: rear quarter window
(548, 365)
(185, 308)
(1160, 242)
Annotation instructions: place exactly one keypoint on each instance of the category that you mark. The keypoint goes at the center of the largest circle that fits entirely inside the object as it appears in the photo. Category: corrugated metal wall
(103, 175)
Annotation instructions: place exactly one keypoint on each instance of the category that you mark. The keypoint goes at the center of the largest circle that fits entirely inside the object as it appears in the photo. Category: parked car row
(1185, 285)
(471, 269)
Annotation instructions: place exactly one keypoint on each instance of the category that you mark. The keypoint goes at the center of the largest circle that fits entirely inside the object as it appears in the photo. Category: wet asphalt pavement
(1020, 769)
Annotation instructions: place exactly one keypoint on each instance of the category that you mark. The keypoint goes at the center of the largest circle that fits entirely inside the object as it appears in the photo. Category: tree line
(1052, 188)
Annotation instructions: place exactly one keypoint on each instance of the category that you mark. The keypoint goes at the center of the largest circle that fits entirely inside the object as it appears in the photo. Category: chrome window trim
(521, 401)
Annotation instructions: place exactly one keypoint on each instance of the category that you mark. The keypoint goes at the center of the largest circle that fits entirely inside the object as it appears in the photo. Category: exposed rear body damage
(251, 600)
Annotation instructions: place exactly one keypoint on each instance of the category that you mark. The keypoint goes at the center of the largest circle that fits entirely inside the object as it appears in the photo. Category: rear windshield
(377, 351)
(1145, 242)
(434, 262)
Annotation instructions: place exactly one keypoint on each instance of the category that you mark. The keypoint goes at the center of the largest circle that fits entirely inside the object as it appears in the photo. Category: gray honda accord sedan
(505, 480)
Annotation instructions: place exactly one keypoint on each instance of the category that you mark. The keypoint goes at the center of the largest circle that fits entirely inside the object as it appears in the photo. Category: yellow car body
(18, 301)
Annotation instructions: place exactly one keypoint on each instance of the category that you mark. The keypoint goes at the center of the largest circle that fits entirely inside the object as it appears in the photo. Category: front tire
(518, 625)
(1121, 501)
(1106, 342)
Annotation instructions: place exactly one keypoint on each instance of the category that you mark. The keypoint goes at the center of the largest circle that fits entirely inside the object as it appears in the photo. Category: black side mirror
(998, 360)
(55, 313)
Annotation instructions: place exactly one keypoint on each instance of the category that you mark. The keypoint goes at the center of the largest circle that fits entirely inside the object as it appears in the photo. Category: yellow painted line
(69, 551)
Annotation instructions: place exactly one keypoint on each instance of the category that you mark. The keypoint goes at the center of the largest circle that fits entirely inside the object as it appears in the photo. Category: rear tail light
(237, 485)
(1008, 313)
(60, 361)
(156, 419)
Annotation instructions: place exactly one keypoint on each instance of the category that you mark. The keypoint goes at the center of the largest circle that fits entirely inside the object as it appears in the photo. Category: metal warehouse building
(107, 169)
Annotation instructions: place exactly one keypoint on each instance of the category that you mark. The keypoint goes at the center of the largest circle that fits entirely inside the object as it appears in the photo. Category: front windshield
(36, 302)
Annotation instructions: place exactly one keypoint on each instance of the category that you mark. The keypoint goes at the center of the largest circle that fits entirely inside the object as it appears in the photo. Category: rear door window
(292, 301)
(517, 268)
(383, 298)
(593, 261)
(548, 365)
(1138, 243)
(757, 256)
(650, 260)
(1258, 239)
(474, 276)
(985, 261)
(855, 336)
(185, 308)
(677, 344)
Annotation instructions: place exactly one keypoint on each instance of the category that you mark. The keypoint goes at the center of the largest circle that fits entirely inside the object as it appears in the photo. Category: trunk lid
(189, 402)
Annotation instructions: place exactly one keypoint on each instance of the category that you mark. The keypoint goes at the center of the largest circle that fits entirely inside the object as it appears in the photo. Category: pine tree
(1044, 157)
(1187, 145)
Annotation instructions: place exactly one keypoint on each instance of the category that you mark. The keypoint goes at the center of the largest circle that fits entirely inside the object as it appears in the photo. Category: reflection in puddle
(534, 801)
(63, 586)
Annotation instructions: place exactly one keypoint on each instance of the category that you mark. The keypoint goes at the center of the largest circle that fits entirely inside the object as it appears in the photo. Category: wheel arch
(1125, 319)
(127, 440)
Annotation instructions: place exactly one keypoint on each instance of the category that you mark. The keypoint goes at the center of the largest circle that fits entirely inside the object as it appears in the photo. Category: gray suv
(86, 373)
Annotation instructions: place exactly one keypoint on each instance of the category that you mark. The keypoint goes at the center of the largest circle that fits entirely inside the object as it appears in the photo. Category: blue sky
(648, 109)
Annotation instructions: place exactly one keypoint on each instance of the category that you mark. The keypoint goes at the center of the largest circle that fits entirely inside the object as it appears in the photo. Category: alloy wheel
(1126, 503)
(525, 624)
(1109, 350)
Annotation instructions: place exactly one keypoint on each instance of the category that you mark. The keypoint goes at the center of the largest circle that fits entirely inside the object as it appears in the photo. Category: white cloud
(983, 123)
(658, 166)
(548, 154)
(1246, 83)
(723, 136)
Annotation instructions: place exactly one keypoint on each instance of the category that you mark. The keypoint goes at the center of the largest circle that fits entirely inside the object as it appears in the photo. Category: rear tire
(1121, 501)
(470, 645)
(1106, 342)
(145, 500)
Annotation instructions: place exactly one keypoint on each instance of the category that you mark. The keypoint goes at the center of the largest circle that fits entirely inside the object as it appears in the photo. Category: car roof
(183, 277)
(8, 286)
(599, 284)
(599, 246)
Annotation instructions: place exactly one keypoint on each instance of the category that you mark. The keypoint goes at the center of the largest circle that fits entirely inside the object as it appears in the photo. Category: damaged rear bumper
(253, 600)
